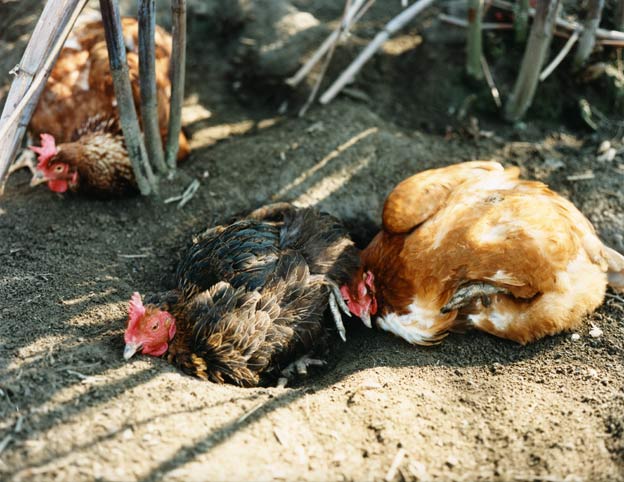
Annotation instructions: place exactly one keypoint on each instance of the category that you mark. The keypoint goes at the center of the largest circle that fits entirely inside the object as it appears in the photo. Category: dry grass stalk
(534, 56)
(474, 48)
(147, 79)
(146, 181)
(588, 37)
(177, 71)
(390, 29)
(53, 27)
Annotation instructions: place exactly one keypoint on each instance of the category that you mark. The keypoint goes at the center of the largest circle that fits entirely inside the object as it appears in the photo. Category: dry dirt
(473, 408)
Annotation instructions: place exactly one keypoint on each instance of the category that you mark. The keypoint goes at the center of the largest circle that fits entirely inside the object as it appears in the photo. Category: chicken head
(361, 298)
(149, 329)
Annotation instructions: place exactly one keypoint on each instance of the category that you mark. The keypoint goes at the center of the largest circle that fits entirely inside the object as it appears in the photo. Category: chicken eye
(58, 168)
(154, 326)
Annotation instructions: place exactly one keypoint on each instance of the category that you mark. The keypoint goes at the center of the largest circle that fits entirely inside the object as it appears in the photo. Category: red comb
(46, 151)
(136, 310)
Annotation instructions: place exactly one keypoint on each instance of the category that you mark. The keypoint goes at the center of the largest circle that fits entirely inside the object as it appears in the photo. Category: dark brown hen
(251, 299)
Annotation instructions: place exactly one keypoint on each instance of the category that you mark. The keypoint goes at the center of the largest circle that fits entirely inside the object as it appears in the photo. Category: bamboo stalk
(147, 79)
(391, 27)
(46, 41)
(521, 19)
(588, 37)
(176, 71)
(146, 181)
(534, 56)
(474, 49)
(460, 22)
(549, 69)
(346, 23)
(619, 22)
(601, 33)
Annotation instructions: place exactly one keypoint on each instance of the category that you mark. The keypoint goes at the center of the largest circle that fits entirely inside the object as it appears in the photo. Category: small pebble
(575, 337)
(595, 332)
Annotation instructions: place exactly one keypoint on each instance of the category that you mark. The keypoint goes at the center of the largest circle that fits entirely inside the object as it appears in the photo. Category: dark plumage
(252, 296)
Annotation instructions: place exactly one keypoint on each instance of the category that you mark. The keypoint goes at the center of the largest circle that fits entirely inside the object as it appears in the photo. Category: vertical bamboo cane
(177, 71)
(111, 19)
(147, 77)
(474, 49)
(588, 37)
(521, 19)
(619, 22)
(534, 56)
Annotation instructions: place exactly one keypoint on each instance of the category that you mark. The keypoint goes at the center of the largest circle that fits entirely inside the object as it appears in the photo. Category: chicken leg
(298, 367)
(466, 294)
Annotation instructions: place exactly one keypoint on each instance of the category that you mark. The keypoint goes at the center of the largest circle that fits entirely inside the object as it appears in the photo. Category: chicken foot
(336, 304)
(298, 367)
(25, 159)
(466, 294)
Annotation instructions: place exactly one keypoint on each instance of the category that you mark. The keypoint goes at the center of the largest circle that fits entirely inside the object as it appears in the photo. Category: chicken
(472, 245)
(82, 146)
(251, 298)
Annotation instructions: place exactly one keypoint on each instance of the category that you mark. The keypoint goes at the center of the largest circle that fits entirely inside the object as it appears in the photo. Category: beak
(38, 178)
(366, 319)
(131, 349)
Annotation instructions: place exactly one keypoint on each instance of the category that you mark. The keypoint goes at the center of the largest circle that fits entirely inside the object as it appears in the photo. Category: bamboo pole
(474, 49)
(146, 181)
(534, 56)
(176, 71)
(521, 19)
(588, 37)
(391, 27)
(147, 79)
(619, 21)
(46, 41)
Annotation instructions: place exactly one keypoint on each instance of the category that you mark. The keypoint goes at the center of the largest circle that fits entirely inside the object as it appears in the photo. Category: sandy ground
(473, 408)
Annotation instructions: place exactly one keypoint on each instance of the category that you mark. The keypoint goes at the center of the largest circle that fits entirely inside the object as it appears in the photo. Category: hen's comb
(46, 151)
(136, 310)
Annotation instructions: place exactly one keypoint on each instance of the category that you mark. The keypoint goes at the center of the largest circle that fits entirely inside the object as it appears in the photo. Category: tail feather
(616, 268)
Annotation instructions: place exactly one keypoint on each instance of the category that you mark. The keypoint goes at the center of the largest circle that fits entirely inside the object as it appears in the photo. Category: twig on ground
(460, 22)
(146, 181)
(133, 256)
(250, 412)
(395, 24)
(615, 297)
(186, 196)
(550, 68)
(490, 81)
(392, 471)
(583, 176)
(177, 71)
(5, 442)
(147, 79)
(32, 73)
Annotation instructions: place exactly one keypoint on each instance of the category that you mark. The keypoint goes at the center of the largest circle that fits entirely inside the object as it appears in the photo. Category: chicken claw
(298, 367)
(467, 293)
(336, 304)
(333, 307)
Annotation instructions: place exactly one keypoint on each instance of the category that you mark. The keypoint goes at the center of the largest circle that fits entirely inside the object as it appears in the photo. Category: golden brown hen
(82, 144)
(472, 245)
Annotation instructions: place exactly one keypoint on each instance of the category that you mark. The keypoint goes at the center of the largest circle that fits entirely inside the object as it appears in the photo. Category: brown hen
(82, 143)
(472, 245)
